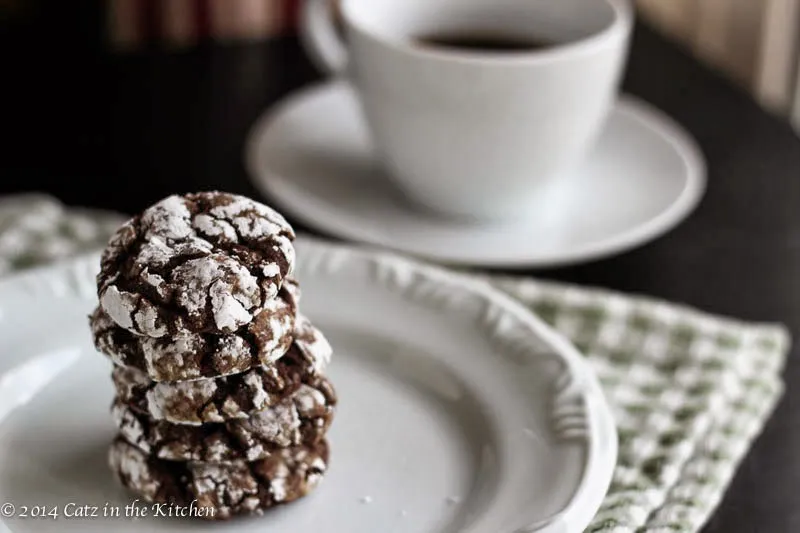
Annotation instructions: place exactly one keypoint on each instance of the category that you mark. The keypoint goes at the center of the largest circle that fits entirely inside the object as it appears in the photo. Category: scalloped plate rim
(54, 279)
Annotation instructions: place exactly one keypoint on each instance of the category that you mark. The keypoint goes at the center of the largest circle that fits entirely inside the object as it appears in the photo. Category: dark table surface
(122, 132)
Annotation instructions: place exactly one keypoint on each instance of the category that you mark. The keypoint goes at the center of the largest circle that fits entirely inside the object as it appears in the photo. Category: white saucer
(459, 410)
(312, 155)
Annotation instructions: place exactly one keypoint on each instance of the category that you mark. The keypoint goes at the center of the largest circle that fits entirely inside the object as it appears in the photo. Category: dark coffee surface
(483, 42)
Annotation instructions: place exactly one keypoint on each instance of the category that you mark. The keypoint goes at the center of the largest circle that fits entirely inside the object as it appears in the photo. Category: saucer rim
(695, 182)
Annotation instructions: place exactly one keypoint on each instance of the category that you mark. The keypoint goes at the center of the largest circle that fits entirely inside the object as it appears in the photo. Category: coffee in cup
(478, 109)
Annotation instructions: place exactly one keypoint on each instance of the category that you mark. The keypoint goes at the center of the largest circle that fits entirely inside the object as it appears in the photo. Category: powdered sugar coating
(169, 219)
(120, 307)
(218, 282)
(203, 262)
(189, 356)
(229, 489)
(138, 473)
(212, 227)
(226, 398)
(312, 344)
(200, 401)
(301, 419)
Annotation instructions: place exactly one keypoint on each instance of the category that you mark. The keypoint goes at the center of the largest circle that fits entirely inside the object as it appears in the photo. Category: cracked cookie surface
(225, 489)
(189, 356)
(231, 397)
(202, 263)
(301, 419)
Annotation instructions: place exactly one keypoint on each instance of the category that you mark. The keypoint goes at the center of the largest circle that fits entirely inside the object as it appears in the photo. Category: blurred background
(754, 42)
(157, 95)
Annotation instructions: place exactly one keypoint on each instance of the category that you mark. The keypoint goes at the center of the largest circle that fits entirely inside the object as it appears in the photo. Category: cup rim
(621, 26)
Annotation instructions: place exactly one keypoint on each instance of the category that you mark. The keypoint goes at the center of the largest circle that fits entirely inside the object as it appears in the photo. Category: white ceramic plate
(312, 154)
(460, 411)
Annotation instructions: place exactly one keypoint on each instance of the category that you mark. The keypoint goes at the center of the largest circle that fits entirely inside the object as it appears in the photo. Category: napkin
(690, 391)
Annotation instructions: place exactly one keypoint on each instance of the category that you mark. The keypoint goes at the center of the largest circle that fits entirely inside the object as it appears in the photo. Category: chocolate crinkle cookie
(201, 263)
(226, 398)
(220, 491)
(188, 356)
(311, 345)
(302, 419)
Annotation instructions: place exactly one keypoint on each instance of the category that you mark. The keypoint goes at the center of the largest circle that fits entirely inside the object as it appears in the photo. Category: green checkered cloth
(35, 230)
(690, 391)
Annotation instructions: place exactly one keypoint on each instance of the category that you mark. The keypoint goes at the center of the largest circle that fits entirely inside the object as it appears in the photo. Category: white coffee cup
(478, 134)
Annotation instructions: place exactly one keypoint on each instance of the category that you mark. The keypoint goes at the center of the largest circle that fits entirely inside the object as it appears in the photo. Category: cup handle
(320, 38)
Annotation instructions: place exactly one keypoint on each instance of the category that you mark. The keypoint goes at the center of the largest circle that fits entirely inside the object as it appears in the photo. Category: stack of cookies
(221, 397)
